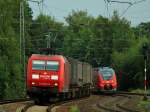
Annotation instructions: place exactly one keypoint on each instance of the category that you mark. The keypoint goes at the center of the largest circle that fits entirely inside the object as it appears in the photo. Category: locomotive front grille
(108, 87)
(44, 90)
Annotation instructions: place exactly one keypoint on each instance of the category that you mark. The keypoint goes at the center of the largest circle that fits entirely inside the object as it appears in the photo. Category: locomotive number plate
(45, 76)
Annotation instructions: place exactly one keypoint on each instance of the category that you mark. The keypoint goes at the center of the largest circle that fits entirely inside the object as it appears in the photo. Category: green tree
(12, 80)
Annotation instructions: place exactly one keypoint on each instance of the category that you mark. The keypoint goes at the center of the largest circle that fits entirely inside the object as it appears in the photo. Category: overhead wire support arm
(36, 1)
(124, 2)
(130, 3)
(138, 2)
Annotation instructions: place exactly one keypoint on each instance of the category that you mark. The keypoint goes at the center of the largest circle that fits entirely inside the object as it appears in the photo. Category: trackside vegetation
(99, 41)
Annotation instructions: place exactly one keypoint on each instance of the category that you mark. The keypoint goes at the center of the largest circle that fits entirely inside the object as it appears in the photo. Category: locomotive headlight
(54, 77)
(103, 81)
(35, 76)
(56, 84)
(33, 83)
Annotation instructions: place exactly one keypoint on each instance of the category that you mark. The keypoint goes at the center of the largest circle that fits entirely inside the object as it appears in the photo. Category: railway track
(13, 101)
(121, 108)
(118, 107)
(64, 102)
(13, 104)
(126, 109)
(49, 106)
(129, 93)
(25, 107)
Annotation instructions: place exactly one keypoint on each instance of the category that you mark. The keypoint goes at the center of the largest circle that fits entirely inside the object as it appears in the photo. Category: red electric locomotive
(105, 79)
(51, 76)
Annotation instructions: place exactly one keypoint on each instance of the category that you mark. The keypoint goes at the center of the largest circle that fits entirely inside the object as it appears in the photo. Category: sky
(62, 8)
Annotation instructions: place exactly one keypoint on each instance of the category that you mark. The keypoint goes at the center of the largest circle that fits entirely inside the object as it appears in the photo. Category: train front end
(107, 81)
(44, 76)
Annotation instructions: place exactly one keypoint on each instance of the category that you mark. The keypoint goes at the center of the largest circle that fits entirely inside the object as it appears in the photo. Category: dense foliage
(97, 40)
(11, 76)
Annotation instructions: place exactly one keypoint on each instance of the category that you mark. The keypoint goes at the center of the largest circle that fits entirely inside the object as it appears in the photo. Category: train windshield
(106, 73)
(52, 65)
(38, 65)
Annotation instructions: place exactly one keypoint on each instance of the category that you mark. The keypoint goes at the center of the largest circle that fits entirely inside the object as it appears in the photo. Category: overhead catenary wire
(116, 1)
(125, 2)
(134, 3)
(130, 3)
(40, 4)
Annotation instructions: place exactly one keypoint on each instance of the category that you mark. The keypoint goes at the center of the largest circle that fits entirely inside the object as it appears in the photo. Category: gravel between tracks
(37, 108)
(12, 107)
(83, 105)
(90, 104)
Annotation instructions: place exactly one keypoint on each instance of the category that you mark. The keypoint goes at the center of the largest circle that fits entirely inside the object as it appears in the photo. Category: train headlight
(33, 83)
(102, 82)
(56, 84)
(35, 76)
(54, 77)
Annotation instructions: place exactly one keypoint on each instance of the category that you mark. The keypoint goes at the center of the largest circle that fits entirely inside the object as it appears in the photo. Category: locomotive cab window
(52, 65)
(107, 74)
(38, 65)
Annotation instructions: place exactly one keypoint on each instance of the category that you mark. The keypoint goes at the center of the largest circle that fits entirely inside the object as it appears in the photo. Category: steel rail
(120, 108)
(26, 107)
(107, 109)
(129, 93)
(126, 109)
(64, 102)
(13, 101)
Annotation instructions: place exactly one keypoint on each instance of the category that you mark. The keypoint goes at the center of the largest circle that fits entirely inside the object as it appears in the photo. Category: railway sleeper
(108, 109)
(126, 109)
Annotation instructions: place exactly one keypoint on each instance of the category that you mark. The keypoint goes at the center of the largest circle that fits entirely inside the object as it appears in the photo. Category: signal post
(145, 54)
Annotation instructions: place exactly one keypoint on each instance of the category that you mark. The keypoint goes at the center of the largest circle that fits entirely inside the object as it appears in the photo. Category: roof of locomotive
(42, 55)
(39, 56)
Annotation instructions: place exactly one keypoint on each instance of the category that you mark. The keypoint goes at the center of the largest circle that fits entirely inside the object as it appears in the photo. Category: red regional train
(104, 80)
(51, 76)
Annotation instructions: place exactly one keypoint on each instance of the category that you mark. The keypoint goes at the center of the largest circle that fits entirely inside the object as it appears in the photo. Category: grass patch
(74, 109)
(139, 90)
(144, 105)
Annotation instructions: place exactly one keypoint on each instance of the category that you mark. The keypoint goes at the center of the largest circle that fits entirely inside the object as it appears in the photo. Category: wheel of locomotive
(73, 94)
(83, 92)
(89, 92)
(39, 101)
(62, 96)
(80, 93)
(76, 94)
(86, 94)
(68, 95)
